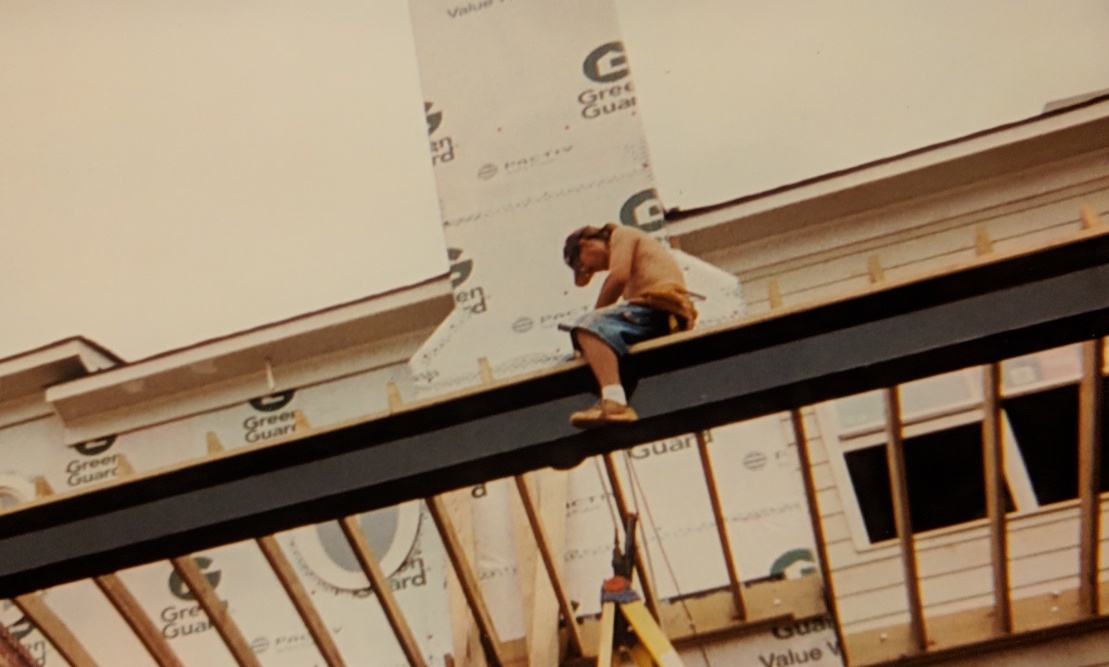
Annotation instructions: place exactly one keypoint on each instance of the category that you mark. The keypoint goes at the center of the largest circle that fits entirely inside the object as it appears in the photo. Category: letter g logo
(643, 210)
(606, 63)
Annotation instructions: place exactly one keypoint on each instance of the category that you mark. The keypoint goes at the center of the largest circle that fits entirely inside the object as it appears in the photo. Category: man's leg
(600, 357)
(602, 360)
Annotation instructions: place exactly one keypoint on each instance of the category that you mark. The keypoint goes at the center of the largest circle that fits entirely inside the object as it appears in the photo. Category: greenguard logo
(606, 63)
(442, 148)
(472, 299)
(179, 620)
(643, 210)
(273, 402)
(94, 447)
(794, 564)
(181, 591)
(607, 66)
(96, 465)
(279, 422)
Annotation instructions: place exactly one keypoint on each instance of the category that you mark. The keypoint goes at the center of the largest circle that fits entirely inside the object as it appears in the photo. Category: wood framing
(804, 460)
(307, 611)
(544, 548)
(899, 490)
(139, 621)
(622, 506)
(734, 582)
(994, 469)
(218, 616)
(1090, 392)
(490, 642)
(54, 629)
(381, 588)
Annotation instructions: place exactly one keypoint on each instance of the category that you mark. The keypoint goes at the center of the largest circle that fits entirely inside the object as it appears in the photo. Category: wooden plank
(734, 582)
(218, 616)
(1090, 219)
(285, 573)
(1089, 475)
(370, 566)
(774, 293)
(625, 511)
(604, 642)
(652, 636)
(466, 638)
(874, 270)
(543, 544)
(797, 420)
(982, 243)
(994, 470)
(55, 631)
(895, 456)
(139, 621)
(493, 649)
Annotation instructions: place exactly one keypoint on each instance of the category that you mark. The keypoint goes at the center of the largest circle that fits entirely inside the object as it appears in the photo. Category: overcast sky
(174, 171)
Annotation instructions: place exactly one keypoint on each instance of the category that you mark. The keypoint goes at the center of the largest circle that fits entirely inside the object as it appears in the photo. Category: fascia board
(920, 173)
(27, 375)
(240, 360)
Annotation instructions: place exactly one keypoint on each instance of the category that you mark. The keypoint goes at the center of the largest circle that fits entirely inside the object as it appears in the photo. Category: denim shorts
(622, 325)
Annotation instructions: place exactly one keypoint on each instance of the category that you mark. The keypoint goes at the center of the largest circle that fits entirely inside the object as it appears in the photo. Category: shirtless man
(650, 282)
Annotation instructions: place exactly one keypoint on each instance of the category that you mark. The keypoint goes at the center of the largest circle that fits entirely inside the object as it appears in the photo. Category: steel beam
(691, 382)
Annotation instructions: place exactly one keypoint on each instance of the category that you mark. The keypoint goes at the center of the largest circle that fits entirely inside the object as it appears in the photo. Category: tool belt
(673, 299)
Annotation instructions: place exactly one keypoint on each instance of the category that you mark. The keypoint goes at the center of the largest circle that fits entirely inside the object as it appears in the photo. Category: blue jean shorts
(622, 325)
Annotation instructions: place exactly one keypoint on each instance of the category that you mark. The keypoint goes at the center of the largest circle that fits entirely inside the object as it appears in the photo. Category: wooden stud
(721, 526)
(13, 653)
(42, 487)
(493, 649)
(123, 466)
(384, 592)
(543, 544)
(804, 460)
(396, 402)
(982, 243)
(218, 616)
(1088, 215)
(289, 580)
(214, 445)
(54, 630)
(899, 488)
(1089, 475)
(300, 423)
(994, 468)
(775, 294)
(625, 511)
(138, 620)
(874, 268)
(465, 635)
(486, 370)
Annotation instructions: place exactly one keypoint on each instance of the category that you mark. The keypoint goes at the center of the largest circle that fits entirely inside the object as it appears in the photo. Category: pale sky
(175, 171)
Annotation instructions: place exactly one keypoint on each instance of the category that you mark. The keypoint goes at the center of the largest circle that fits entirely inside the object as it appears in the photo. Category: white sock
(614, 392)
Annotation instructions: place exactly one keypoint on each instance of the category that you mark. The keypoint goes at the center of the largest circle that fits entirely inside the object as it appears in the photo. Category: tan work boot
(603, 412)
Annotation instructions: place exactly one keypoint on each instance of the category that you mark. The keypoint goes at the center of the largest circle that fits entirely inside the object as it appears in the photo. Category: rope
(637, 489)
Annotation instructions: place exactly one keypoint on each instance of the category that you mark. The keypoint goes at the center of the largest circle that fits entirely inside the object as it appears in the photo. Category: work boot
(603, 412)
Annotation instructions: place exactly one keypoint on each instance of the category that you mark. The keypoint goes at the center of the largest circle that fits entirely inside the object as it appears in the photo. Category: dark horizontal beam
(696, 381)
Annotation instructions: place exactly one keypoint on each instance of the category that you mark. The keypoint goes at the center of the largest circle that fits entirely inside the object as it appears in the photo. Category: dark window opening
(946, 481)
(1045, 425)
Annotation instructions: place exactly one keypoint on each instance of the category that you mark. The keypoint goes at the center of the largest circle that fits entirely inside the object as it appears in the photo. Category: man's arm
(621, 253)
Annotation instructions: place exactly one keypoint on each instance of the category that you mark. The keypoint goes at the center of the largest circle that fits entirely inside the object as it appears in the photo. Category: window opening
(945, 476)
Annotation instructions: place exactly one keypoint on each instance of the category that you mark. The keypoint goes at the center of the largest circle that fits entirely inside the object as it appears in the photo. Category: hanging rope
(637, 490)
